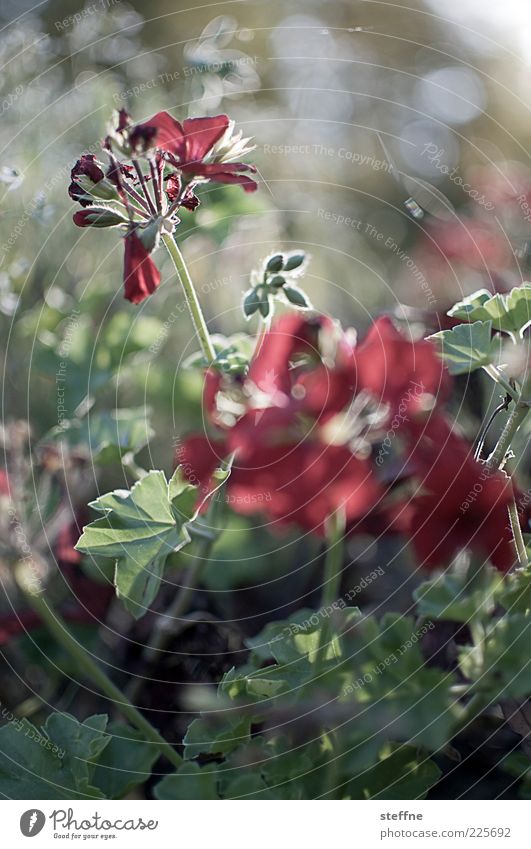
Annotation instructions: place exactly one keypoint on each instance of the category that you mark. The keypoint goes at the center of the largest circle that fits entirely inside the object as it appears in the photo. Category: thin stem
(179, 604)
(518, 414)
(191, 298)
(518, 536)
(332, 578)
(92, 670)
(133, 194)
(498, 377)
(156, 187)
(142, 179)
(496, 461)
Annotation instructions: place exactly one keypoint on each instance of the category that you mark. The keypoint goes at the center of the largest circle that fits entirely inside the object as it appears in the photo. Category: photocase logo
(32, 822)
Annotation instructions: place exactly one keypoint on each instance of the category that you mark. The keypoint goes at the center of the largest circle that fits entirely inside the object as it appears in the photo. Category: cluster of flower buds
(166, 161)
(276, 279)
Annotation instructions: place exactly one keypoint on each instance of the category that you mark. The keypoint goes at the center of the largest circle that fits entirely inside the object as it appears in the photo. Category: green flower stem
(332, 578)
(518, 536)
(180, 603)
(191, 298)
(496, 460)
(518, 414)
(498, 377)
(88, 667)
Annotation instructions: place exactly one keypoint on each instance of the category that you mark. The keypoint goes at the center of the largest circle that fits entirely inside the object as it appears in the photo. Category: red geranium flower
(398, 371)
(202, 147)
(459, 504)
(285, 465)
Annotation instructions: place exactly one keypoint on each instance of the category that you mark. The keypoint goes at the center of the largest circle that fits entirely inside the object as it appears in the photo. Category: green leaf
(213, 735)
(191, 781)
(106, 436)
(402, 773)
(516, 597)
(466, 347)
(388, 673)
(125, 763)
(275, 263)
(140, 528)
(506, 668)
(450, 596)
(296, 297)
(251, 302)
(294, 261)
(56, 762)
(510, 312)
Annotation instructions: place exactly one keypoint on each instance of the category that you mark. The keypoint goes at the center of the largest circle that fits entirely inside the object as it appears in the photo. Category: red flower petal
(398, 371)
(201, 134)
(141, 275)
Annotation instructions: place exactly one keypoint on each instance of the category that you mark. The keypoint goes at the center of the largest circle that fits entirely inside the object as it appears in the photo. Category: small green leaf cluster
(276, 280)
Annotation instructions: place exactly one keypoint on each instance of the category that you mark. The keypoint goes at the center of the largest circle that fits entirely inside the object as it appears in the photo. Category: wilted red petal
(141, 275)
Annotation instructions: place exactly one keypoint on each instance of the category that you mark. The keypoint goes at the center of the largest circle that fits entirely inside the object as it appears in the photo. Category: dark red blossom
(398, 371)
(141, 275)
(306, 362)
(294, 482)
(285, 465)
(189, 147)
(459, 503)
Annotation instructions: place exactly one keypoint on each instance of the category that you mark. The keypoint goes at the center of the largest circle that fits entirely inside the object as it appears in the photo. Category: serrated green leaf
(510, 312)
(450, 596)
(466, 347)
(140, 528)
(516, 595)
(215, 736)
(402, 773)
(56, 762)
(191, 781)
(125, 762)
(506, 668)
(107, 436)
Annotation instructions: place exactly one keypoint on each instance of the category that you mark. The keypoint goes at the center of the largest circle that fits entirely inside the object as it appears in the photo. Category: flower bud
(296, 297)
(103, 189)
(275, 263)
(294, 261)
(98, 216)
(277, 282)
(251, 302)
